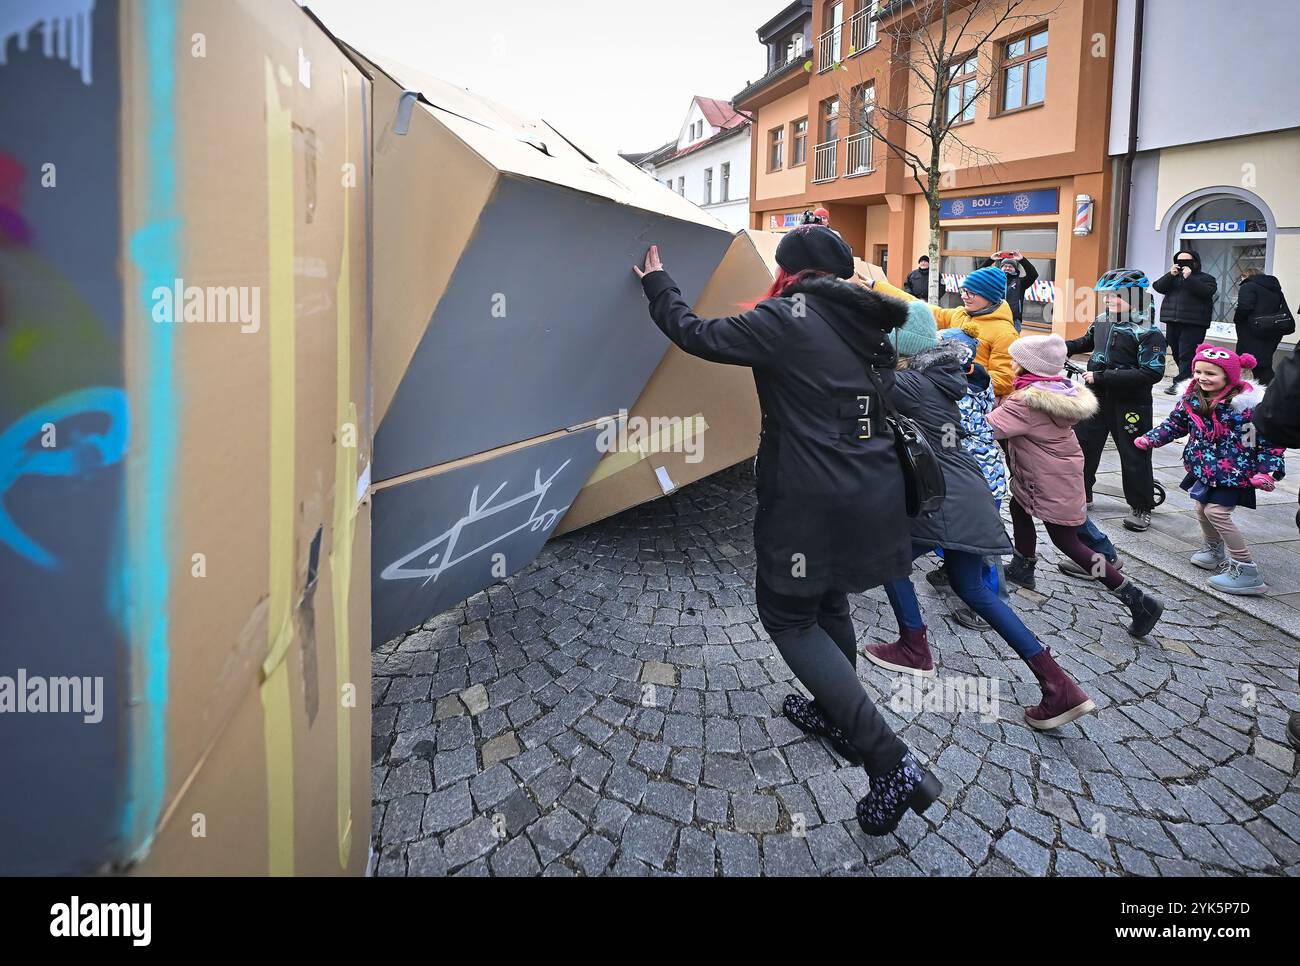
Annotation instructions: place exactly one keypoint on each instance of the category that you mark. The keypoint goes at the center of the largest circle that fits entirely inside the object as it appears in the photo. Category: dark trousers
(1183, 338)
(1065, 539)
(815, 637)
(1125, 420)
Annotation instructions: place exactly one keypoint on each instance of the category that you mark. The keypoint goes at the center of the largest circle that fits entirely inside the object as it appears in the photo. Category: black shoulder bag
(923, 482)
(1277, 323)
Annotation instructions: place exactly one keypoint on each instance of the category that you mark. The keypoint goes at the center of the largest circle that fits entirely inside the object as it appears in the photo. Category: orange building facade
(1040, 131)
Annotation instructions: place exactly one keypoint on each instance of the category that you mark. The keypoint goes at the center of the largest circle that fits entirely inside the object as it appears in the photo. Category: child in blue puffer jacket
(1226, 461)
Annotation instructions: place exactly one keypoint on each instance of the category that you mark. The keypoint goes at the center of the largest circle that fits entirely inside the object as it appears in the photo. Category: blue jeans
(1091, 536)
(965, 575)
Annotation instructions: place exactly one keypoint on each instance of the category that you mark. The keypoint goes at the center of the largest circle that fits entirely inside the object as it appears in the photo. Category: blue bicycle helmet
(1122, 278)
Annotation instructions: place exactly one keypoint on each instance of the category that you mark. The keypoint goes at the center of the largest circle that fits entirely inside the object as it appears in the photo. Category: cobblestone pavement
(614, 709)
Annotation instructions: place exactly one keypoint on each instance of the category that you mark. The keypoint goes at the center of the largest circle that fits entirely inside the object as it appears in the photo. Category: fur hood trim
(1072, 409)
(879, 311)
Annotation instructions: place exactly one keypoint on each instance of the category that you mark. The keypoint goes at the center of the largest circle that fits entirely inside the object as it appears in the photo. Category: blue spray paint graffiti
(155, 250)
(22, 453)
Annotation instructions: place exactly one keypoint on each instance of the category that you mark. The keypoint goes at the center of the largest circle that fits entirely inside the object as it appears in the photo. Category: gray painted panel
(61, 508)
(434, 538)
(1210, 70)
(574, 342)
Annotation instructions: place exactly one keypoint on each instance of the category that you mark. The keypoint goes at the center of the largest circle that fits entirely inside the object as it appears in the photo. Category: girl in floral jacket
(1225, 459)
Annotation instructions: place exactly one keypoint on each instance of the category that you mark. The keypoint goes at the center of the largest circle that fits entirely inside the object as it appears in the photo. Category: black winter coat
(1128, 358)
(927, 391)
(1277, 418)
(1187, 300)
(831, 511)
(1258, 296)
(917, 284)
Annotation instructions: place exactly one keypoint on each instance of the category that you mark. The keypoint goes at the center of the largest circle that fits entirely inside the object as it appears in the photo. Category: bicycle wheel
(1158, 495)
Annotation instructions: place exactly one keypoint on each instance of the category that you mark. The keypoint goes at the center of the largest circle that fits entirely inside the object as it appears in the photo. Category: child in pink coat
(1037, 421)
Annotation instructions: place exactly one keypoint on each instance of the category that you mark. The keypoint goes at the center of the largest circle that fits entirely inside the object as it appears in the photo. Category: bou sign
(1213, 227)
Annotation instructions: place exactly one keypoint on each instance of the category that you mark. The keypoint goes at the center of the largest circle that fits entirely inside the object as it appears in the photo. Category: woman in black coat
(1259, 295)
(831, 514)
(968, 529)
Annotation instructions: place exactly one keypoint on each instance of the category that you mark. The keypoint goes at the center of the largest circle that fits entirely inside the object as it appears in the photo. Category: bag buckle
(864, 417)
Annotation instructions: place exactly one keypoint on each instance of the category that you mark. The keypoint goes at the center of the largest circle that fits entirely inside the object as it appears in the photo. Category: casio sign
(1215, 227)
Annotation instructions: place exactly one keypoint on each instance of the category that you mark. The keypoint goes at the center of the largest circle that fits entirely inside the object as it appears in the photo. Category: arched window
(1230, 234)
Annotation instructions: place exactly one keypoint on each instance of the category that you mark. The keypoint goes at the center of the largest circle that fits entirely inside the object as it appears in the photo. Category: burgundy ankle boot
(1063, 700)
(909, 654)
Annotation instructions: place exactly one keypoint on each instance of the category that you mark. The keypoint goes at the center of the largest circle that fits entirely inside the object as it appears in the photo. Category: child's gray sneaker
(1210, 557)
(1239, 577)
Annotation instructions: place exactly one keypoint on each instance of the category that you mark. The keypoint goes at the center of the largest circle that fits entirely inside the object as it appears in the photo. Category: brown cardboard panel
(428, 191)
(271, 148)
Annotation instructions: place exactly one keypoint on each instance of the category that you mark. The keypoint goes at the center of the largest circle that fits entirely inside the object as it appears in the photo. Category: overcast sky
(619, 72)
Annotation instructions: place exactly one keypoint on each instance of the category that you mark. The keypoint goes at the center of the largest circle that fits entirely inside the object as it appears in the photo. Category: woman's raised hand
(652, 263)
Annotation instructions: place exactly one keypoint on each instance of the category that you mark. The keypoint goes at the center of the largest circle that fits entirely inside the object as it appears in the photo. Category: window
(962, 85)
(1023, 79)
(863, 102)
(792, 49)
(776, 149)
(708, 186)
(964, 248)
(726, 181)
(830, 119)
(681, 185)
(799, 142)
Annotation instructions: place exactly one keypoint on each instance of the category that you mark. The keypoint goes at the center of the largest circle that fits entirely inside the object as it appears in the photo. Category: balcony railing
(828, 48)
(824, 161)
(857, 149)
(862, 30)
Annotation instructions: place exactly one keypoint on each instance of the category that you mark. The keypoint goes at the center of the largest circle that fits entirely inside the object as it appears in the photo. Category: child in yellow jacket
(983, 297)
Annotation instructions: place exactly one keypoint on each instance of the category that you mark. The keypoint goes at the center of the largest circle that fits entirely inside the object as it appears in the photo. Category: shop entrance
(1230, 235)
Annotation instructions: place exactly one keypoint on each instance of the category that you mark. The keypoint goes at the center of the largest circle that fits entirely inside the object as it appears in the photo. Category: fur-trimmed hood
(878, 311)
(1065, 410)
(942, 364)
(858, 315)
(1250, 397)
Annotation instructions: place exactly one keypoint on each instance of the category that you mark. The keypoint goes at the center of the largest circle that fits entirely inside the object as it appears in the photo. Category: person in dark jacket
(832, 514)
(1259, 295)
(968, 529)
(1021, 276)
(1186, 311)
(917, 283)
(1126, 358)
(1277, 418)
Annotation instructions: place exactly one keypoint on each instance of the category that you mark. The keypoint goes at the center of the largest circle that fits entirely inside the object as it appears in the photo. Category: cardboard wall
(503, 333)
(204, 518)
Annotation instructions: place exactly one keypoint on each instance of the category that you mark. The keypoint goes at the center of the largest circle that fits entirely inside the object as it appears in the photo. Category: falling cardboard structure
(694, 417)
(184, 417)
(509, 329)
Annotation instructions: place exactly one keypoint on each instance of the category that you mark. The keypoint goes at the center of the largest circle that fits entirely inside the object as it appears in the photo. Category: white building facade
(708, 164)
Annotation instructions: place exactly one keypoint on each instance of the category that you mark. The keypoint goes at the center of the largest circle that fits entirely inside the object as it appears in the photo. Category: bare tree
(941, 65)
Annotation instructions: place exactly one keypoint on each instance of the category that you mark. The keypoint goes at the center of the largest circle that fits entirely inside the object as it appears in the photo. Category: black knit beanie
(815, 247)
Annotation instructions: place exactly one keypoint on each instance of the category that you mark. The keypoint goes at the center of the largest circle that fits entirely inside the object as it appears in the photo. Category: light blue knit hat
(917, 333)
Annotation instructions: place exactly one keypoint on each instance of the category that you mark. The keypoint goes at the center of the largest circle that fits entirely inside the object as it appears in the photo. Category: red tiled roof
(719, 113)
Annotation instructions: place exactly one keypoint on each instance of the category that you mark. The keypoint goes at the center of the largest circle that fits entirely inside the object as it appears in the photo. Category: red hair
(785, 280)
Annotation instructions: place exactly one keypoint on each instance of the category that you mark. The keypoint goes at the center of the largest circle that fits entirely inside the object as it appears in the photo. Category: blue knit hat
(968, 343)
(917, 333)
(989, 283)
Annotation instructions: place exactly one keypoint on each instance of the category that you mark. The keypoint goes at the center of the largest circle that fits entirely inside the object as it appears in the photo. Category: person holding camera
(1021, 276)
(1186, 311)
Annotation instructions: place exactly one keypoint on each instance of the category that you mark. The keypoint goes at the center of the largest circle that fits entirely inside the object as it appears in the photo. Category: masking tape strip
(669, 438)
(345, 513)
(277, 722)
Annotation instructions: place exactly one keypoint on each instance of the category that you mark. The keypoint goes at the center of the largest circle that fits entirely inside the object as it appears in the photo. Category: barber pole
(1083, 205)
